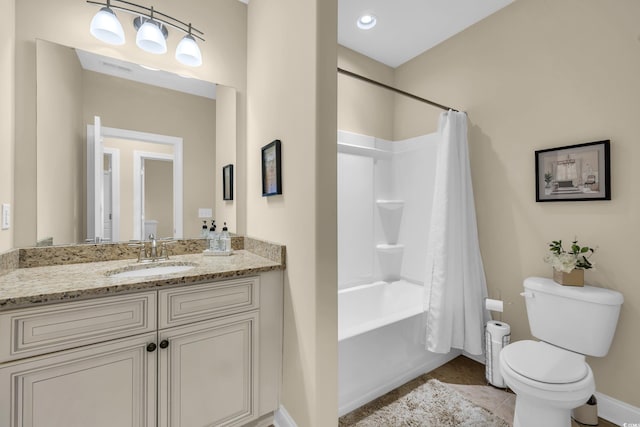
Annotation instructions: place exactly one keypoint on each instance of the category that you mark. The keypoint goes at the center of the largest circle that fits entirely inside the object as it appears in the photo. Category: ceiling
(406, 28)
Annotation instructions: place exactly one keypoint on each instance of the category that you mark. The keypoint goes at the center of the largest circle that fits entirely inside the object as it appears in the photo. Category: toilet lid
(545, 363)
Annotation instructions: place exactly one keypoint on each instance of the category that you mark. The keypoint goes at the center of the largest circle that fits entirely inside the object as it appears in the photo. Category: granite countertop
(26, 287)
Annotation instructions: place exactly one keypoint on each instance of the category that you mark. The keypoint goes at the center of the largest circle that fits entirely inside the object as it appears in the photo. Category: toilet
(551, 377)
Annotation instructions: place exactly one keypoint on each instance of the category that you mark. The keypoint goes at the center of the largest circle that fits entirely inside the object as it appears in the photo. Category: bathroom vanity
(79, 347)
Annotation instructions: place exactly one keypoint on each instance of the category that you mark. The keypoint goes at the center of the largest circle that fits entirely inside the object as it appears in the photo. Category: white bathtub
(381, 341)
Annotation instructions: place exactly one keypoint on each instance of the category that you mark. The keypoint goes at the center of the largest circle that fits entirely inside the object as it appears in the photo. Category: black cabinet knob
(164, 344)
(151, 347)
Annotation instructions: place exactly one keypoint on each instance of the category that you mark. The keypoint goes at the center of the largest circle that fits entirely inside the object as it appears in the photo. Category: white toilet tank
(580, 319)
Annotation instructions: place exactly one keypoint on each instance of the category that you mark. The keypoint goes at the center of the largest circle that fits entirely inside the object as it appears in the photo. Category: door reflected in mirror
(140, 173)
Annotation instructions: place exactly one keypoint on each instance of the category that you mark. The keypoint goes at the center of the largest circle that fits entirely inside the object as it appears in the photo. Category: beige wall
(66, 22)
(368, 109)
(59, 165)
(362, 107)
(291, 87)
(226, 210)
(542, 74)
(7, 115)
(413, 118)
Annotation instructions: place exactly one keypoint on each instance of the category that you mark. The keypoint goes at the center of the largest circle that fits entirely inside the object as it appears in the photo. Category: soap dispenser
(213, 236)
(205, 230)
(225, 239)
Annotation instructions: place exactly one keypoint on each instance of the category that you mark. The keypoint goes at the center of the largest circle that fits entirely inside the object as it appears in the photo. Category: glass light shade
(188, 52)
(150, 38)
(106, 27)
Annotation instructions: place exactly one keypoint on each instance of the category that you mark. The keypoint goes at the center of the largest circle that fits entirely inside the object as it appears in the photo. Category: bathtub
(381, 341)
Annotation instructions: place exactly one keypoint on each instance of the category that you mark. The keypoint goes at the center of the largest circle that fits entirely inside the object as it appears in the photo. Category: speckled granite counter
(24, 287)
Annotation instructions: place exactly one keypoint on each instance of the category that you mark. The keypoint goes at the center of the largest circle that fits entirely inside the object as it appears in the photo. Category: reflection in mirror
(145, 170)
(72, 88)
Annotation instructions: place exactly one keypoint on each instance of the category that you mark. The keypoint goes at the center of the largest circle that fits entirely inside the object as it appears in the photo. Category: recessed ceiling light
(366, 21)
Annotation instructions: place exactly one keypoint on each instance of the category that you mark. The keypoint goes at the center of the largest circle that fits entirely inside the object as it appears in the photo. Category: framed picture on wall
(271, 169)
(227, 182)
(574, 173)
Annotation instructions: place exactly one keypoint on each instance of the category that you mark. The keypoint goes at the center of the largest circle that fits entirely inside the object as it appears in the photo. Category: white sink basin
(150, 270)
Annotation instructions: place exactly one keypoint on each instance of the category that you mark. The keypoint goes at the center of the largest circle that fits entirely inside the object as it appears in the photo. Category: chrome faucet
(154, 246)
(152, 251)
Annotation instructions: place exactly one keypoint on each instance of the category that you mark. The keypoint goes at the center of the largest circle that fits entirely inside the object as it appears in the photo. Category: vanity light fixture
(150, 36)
(188, 52)
(367, 21)
(151, 27)
(106, 27)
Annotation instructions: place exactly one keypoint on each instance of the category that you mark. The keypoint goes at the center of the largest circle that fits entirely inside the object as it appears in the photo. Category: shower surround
(385, 192)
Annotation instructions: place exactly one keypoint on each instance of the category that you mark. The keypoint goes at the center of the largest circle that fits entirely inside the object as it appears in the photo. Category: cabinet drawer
(29, 332)
(189, 304)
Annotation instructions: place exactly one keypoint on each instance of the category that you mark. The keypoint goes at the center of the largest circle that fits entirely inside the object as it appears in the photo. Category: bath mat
(432, 404)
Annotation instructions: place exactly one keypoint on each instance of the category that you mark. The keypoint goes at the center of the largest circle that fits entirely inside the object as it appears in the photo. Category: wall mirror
(122, 150)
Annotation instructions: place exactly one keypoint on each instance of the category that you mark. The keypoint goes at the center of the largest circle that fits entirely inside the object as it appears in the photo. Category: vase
(575, 278)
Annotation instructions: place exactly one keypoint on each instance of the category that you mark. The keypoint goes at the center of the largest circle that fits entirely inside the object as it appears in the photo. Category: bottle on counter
(225, 239)
(205, 230)
(213, 236)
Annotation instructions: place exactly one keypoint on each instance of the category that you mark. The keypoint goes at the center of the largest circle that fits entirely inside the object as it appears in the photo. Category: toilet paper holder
(495, 305)
(493, 345)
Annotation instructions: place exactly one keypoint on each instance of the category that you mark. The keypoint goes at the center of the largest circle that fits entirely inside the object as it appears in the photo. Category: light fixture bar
(151, 9)
(177, 24)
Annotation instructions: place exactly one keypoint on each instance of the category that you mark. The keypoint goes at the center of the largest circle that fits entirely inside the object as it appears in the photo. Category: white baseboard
(283, 419)
(617, 411)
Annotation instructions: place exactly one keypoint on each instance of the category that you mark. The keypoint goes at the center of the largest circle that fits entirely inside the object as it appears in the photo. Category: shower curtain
(455, 286)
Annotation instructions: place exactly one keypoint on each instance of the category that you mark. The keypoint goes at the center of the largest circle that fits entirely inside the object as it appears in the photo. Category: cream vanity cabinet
(194, 355)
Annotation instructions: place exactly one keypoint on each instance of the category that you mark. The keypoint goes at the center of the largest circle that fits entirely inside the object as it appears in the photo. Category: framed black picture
(227, 182)
(574, 173)
(271, 169)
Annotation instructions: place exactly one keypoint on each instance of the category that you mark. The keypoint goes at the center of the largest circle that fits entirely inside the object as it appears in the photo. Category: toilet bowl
(551, 377)
(548, 381)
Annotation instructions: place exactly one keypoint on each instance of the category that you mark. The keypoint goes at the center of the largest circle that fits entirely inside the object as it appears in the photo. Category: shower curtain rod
(393, 89)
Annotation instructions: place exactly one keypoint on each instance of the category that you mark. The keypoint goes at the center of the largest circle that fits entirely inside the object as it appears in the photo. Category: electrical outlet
(205, 213)
(6, 216)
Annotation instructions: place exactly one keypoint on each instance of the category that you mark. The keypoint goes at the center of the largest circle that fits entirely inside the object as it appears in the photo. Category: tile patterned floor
(467, 377)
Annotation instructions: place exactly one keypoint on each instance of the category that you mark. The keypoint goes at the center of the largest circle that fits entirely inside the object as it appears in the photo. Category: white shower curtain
(455, 286)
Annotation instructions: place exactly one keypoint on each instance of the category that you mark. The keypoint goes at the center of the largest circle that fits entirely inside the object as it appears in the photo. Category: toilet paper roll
(497, 330)
(494, 304)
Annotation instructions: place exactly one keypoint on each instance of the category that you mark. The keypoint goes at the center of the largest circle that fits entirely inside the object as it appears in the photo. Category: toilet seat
(545, 363)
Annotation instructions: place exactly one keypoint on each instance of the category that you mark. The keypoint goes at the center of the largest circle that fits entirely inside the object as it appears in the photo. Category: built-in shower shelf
(390, 204)
(385, 248)
(358, 150)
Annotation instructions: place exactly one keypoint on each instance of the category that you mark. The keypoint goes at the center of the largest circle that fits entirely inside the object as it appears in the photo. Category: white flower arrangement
(577, 258)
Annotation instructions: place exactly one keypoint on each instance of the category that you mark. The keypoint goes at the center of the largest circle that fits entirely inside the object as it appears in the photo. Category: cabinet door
(102, 385)
(207, 373)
